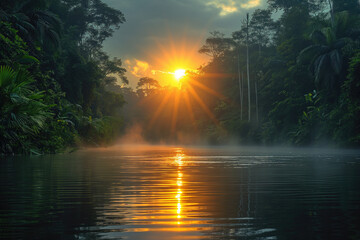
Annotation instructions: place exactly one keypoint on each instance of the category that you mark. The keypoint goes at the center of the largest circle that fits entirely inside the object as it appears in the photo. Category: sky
(160, 36)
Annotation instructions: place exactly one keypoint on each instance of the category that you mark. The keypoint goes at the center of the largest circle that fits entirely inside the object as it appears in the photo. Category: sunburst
(179, 74)
(180, 57)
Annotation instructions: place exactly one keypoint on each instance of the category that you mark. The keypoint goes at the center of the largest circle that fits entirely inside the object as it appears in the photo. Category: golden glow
(160, 108)
(179, 183)
(183, 95)
(174, 66)
(179, 162)
(203, 106)
(166, 204)
(175, 53)
(180, 73)
(175, 111)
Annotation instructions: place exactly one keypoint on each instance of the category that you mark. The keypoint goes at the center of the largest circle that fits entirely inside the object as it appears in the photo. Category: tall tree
(240, 86)
(216, 45)
(147, 85)
(247, 65)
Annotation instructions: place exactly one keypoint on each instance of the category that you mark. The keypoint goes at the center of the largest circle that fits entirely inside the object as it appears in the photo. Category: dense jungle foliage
(54, 74)
(301, 87)
(289, 75)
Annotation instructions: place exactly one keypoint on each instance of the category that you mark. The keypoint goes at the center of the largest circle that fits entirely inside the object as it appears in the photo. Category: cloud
(154, 28)
(251, 4)
(227, 7)
(140, 68)
(137, 67)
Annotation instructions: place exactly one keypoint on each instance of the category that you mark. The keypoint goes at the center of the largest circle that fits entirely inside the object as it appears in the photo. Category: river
(142, 192)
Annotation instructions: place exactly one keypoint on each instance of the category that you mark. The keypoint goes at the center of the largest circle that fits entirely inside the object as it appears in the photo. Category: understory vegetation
(54, 74)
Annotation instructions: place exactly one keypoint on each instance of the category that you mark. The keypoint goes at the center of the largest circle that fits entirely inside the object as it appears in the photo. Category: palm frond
(7, 75)
(336, 61)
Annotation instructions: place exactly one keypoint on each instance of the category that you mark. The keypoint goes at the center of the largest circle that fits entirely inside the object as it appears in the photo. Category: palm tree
(325, 55)
(22, 113)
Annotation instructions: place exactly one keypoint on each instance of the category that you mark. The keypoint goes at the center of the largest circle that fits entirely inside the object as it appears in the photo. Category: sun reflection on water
(179, 162)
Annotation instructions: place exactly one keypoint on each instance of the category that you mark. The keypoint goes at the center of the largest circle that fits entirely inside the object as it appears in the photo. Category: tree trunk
(240, 87)
(256, 90)
(256, 100)
(259, 50)
(331, 4)
(247, 64)
(242, 93)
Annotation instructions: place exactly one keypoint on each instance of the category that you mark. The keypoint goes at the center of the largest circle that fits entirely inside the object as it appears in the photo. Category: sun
(179, 73)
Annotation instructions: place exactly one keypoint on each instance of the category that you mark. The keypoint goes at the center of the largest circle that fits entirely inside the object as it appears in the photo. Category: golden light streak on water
(152, 193)
(179, 161)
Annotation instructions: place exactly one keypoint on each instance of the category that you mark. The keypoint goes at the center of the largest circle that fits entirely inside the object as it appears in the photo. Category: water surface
(181, 193)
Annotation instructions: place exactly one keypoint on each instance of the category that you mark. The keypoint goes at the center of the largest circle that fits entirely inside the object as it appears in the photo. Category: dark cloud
(152, 23)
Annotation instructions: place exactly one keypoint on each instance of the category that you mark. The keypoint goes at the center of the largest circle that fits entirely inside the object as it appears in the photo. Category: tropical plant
(325, 55)
(35, 25)
(23, 114)
(12, 46)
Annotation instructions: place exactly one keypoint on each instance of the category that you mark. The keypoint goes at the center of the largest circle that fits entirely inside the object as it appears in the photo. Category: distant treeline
(54, 74)
(290, 75)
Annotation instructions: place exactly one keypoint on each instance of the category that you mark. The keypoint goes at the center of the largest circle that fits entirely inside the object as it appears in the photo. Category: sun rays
(172, 57)
(185, 97)
(189, 96)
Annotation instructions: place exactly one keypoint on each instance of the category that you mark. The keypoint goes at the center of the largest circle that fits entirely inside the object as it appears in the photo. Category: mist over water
(171, 192)
(189, 116)
(136, 134)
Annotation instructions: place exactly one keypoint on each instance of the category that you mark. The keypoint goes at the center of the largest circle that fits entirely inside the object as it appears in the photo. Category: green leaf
(321, 68)
(27, 59)
(7, 75)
